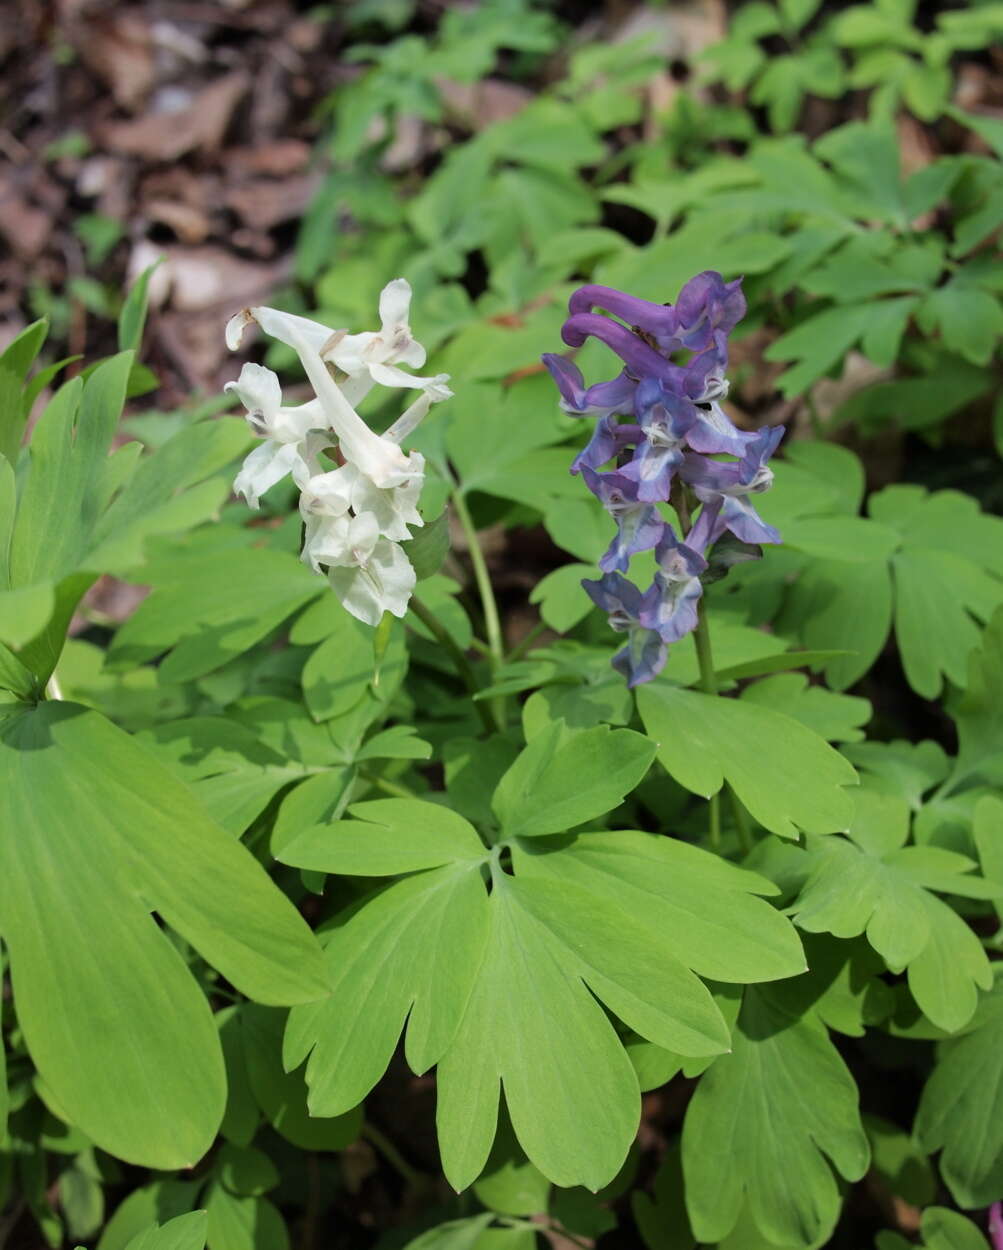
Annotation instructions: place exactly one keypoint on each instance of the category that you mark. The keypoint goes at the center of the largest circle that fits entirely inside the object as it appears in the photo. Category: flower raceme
(356, 508)
(660, 427)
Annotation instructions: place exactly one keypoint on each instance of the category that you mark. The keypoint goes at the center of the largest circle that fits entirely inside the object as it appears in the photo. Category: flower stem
(489, 606)
(708, 683)
(410, 1175)
(439, 632)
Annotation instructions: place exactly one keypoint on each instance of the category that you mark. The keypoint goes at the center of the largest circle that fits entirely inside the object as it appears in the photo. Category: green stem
(708, 683)
(489, 606)
(439, 632)
(520, 649)
(705, 658)
(410, 1175)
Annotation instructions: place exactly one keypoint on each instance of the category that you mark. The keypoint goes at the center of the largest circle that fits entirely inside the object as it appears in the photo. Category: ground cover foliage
(437, 933)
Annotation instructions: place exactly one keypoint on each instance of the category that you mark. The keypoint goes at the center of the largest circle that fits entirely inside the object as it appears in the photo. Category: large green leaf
(873, 883)
(788, 777)
(761, 1126)
(408, 952)
(98, 835)
(184, 1232)
(961, 1110)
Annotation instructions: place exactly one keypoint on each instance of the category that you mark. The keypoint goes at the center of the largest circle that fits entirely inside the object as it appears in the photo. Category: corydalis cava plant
(358, 489)
(660, 424)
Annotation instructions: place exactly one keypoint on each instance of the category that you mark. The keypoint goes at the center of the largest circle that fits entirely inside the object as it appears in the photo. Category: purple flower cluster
(660, 423)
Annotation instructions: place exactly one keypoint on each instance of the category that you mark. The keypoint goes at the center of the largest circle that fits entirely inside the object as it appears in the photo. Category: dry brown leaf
(264, 202)
(117, 47)
(24, 225)
(164, 136)
(278, 159)
(477, 105)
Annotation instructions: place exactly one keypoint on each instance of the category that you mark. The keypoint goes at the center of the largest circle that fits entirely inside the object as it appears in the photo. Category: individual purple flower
(670, 606)
(708, 307)
(608, 440)
(641, 358)
(580, 400)
(639, 526)
(665, 419)
(727, 487)
(996, 1225)
(706, 304)
(645, 654)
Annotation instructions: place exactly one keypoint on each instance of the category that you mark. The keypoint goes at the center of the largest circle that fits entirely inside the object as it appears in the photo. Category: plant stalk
(489, 605)
(438, 631)
(708, 683)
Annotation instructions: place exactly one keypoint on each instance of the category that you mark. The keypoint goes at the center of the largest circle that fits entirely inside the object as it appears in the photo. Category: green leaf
(244, 1170)
(703, 906)
(898, 1161)
(834, 717)
(562, 780)
(234, 774)
(243, 1223)
(102, 996)
(574, 1111)
(853, 539)
(510, 1184)
(208, 608)
(750, 1108)
(866, 158)
(184, 1232)
(563, 602)
(462, 1234)
(873, 883)
(429, 546)
(934, 632)
(132, 318)
(159, 1201)
(387, 837)
(25, 611)
(958, 1110)
(339, 671)
(979, 713)
(408, 952)
(789, 778)
(282, 1095)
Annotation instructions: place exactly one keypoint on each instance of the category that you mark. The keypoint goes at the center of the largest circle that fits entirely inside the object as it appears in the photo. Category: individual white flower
(377, 457)
(332, 494)
(381, 583)
(365, 358)
(338, 540)
(284, 430)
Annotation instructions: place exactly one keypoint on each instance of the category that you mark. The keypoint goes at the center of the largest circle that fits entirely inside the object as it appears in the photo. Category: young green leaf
(184, 1232)
(750, 1109)
(387, 837)
(562, 780)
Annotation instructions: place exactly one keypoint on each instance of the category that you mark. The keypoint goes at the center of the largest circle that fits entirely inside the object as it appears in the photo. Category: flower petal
(383, 584)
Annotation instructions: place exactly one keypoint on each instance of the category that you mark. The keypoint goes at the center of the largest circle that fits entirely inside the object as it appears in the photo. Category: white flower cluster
(356, 512)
